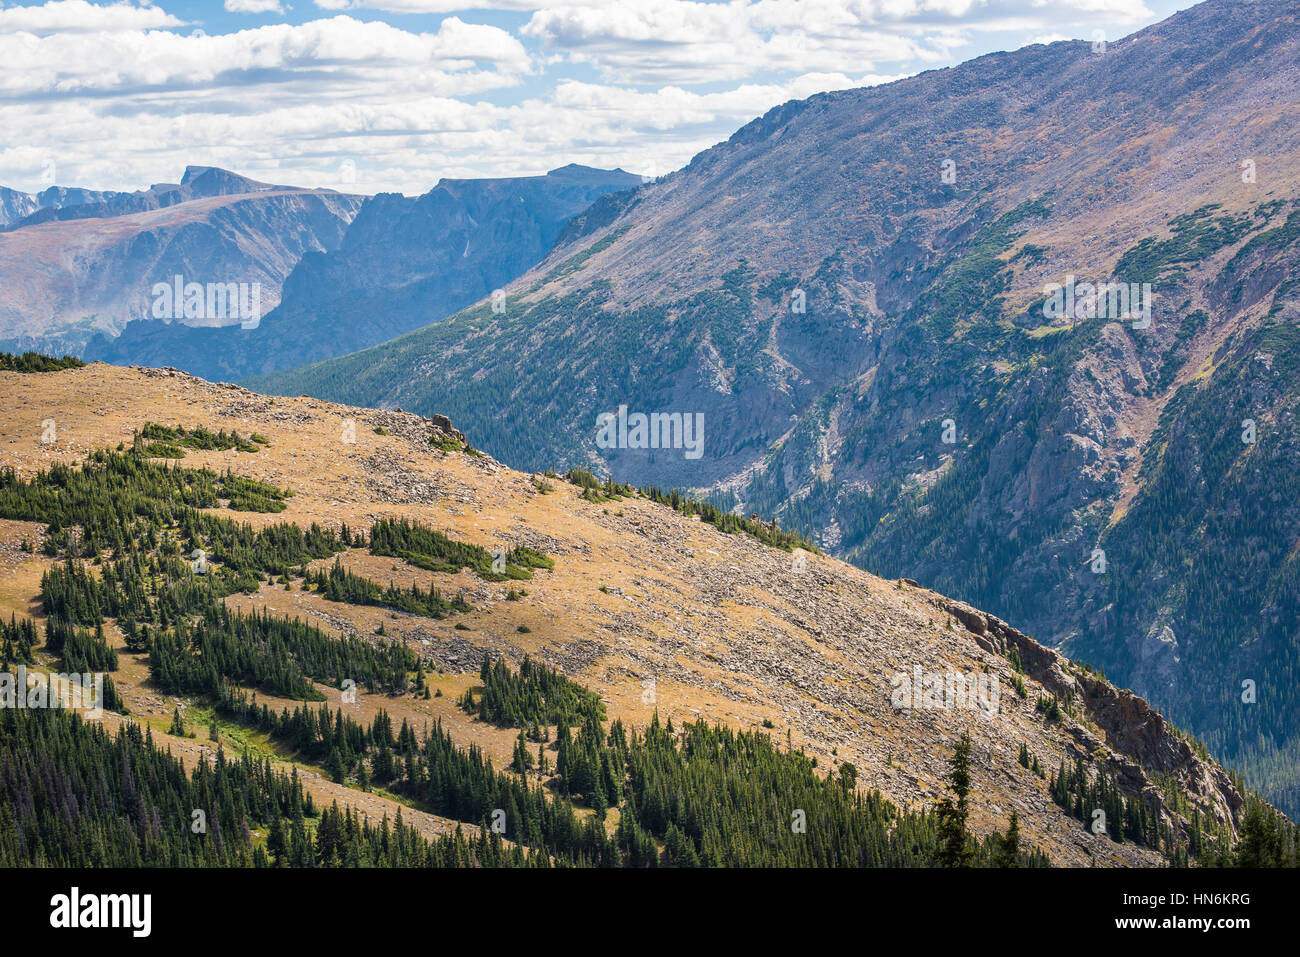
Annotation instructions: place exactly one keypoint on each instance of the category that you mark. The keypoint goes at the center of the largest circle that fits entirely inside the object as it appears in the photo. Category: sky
(392, 95)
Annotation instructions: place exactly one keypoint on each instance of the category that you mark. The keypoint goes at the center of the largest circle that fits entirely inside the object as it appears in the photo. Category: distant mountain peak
(578, 169)
(405, 261)
(194, 172)
(215, 181)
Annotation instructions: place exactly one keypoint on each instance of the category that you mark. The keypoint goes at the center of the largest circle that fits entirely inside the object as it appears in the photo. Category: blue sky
(391, 95)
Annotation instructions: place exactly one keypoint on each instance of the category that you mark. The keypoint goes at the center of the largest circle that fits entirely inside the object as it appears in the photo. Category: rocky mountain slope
(81, 265)
(654, 610)
(404, 262)
(853, 292)
(15, 205)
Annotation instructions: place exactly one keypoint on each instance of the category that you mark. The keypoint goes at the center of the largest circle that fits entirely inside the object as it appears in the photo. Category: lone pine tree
(954, 841)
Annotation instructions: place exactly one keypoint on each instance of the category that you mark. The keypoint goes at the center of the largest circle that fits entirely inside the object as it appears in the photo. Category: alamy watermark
(75, 910)
(79, 692)
(945, 691)
(658, 430)
(179, 299)
(1106, 300)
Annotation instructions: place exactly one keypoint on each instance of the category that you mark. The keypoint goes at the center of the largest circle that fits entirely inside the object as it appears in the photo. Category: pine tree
(848, 775)
(1262, 839)
(1008, 852)
(335, 766)
(954, 840)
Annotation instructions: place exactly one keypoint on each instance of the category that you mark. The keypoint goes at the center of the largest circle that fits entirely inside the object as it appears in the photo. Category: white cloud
(686, 41)
(81, 16)
(672, 107)
(428, 6)
(404, 140)
(254, 6)
(341, 51)
(120, 95)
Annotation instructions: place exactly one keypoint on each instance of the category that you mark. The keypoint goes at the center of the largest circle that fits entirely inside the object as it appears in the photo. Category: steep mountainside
(15, 205)
(852, 293)
(403, 263)
(655, 611)
(71, 271)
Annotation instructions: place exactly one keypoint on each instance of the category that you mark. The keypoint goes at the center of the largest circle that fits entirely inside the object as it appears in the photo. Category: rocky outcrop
(442, 424)
(1143, 747)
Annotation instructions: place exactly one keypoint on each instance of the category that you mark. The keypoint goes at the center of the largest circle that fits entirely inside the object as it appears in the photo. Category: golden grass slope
(649, 608)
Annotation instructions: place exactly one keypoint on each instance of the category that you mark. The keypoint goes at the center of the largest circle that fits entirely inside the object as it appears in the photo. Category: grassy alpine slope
(710, 658)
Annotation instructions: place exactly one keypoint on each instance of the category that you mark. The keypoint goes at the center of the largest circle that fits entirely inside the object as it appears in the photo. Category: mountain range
(16, 206)
(858, 295)
(402, 263)
(78, 263)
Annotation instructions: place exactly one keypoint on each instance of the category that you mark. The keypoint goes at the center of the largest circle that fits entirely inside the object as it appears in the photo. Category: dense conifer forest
(531, 697)
(36, 362)
(339, 584)
(86, 798)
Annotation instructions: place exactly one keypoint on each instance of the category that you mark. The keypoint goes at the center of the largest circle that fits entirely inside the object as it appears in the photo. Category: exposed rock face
(15, 205)
(1156, 655)
(1142, 742)
(443, 425)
